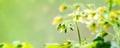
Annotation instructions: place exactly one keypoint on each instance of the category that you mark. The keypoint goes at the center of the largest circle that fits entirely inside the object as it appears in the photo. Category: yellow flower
(106, 27)
(62, 8)
(100, 23)
(92, 27)
(112, 15)
(101, 9)
(62, 29)
(76, 7)
(91, 15)
(57, 20)
(102, 34)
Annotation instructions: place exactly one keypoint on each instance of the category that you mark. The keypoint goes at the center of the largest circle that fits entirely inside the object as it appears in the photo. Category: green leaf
(19, 46)
(1, 45)
(66, 44)
(98, 39)
(70, 26)
(107, 44)
(61, 27)
(58, 26)
(65, 30)
(71, 29)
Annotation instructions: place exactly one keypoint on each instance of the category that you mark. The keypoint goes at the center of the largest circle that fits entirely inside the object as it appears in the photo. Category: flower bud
(101, 9)
(92, 27)
(62, 8)
(112, 15)
(100, 23)
(106, 27)
(57, 20)
(76, 7)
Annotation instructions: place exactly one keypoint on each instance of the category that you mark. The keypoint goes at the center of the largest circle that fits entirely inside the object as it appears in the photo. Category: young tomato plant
(98, 20)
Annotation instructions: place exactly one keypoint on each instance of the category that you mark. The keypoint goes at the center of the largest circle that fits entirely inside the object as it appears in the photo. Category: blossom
(106, 27)
(62, 28)
(112, 15)
(76, 7)
(101, 9)
(92, 26)
(100, 23)
(62, 8)
(57, 20)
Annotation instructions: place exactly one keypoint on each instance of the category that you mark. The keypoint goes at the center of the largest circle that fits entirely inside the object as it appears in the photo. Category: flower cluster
(98, 20)
(93, 18)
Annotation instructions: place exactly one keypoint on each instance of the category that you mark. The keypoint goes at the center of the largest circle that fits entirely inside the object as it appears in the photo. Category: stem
(116, 29)
(110, 5)
(78, 31)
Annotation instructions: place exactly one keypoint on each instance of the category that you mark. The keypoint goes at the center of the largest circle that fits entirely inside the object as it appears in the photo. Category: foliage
(98, 20)
(16, 44)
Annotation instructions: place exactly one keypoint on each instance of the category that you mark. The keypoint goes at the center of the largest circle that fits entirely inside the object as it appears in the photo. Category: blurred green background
(31, 21)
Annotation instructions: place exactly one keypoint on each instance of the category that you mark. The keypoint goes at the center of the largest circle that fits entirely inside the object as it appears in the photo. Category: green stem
(110, 5)
(78, 31)
(116, 29)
